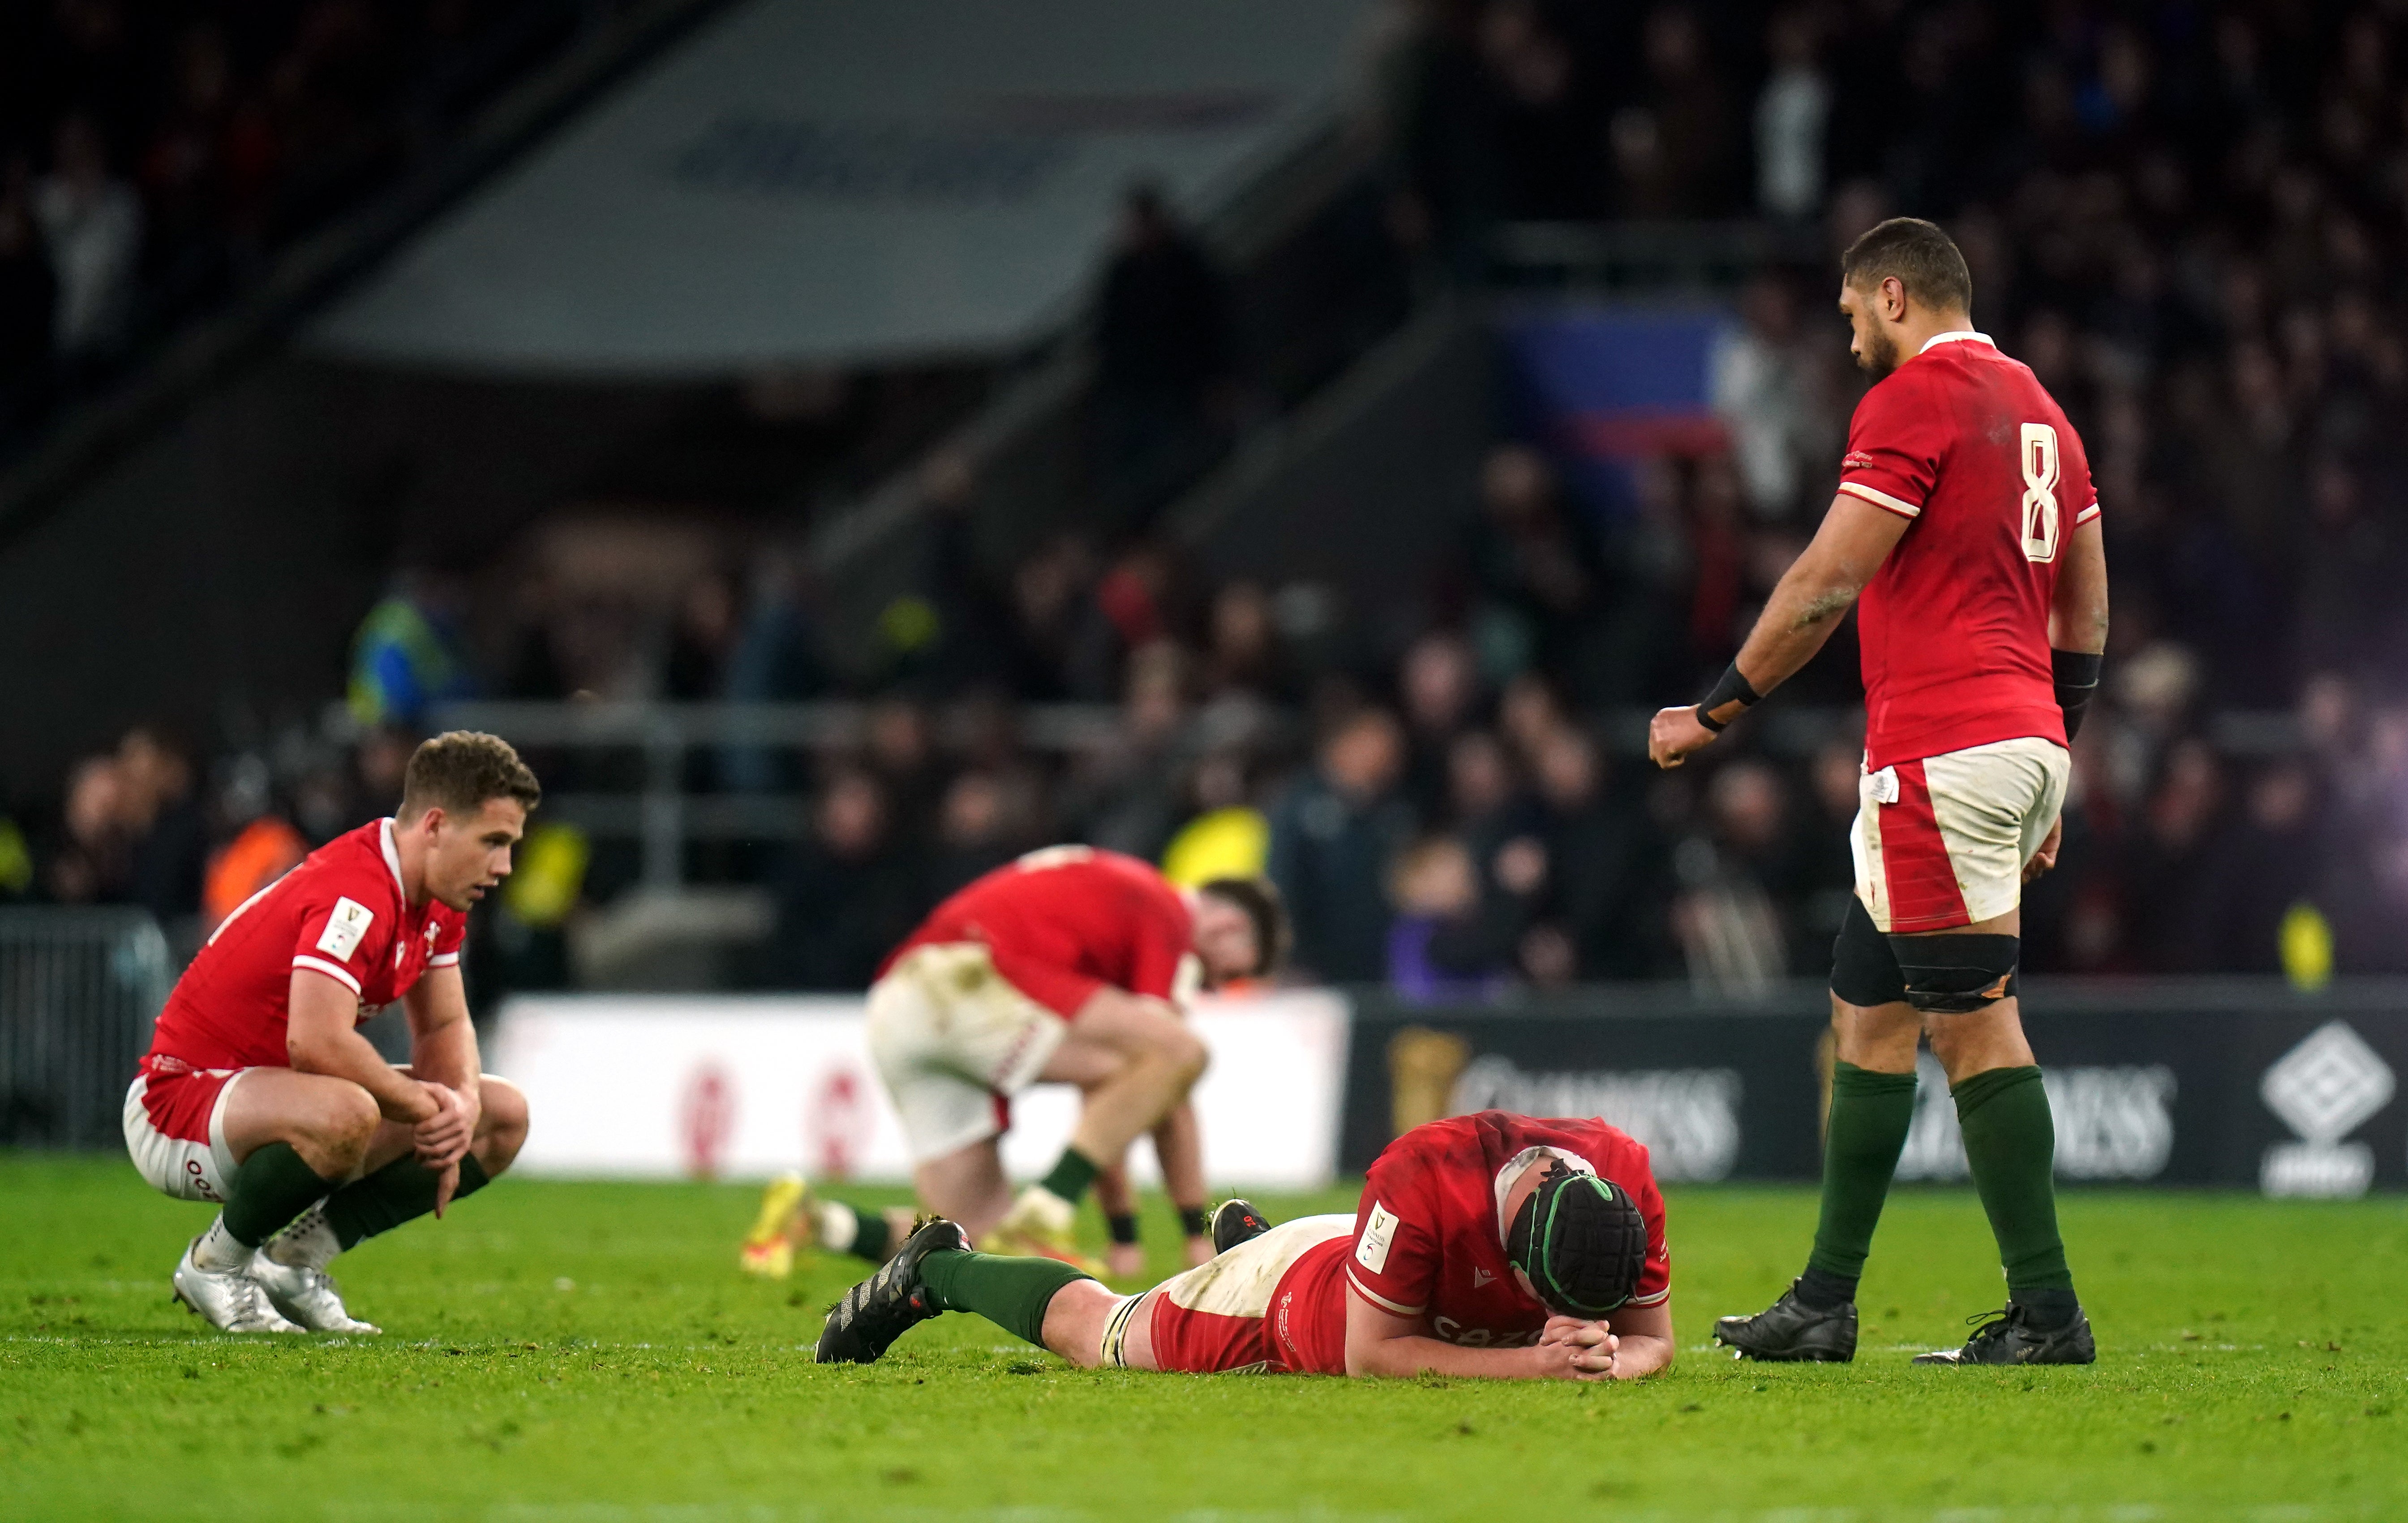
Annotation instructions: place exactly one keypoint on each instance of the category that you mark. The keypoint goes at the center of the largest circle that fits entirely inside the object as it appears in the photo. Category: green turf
(587, 1353)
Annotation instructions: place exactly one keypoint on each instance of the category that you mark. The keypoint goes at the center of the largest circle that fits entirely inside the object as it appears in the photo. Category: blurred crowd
(154, 156)
(2189, 220)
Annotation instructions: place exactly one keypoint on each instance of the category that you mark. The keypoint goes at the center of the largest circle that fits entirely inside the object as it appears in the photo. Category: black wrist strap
(2076, 673)
(1731, 687)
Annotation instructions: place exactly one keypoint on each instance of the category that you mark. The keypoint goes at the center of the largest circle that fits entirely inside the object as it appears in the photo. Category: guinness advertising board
(2225, 1082)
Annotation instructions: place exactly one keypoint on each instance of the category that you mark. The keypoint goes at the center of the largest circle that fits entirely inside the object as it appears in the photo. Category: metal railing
(79, 991)
(664, 815)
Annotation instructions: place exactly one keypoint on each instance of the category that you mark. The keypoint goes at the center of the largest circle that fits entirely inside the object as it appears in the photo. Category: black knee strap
(1956, 974)
(1864, 971)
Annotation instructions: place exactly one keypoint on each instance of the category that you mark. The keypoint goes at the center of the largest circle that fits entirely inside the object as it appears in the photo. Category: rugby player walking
(259, 1096)
(1967, 521)
(1070, 965)
(1490, 1244)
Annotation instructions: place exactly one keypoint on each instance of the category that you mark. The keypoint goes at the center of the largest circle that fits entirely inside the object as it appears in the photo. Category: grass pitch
(588, 1354)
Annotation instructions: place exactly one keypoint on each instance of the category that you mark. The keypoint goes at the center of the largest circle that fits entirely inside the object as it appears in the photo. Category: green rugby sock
(1072, 1173)
(2011, 1141)
(1012, 1293)
(872, 1238)
(398, 1192)
(268, 1189)
(1871, 1112)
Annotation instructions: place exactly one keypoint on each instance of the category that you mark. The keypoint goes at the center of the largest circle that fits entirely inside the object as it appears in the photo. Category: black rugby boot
(1236, 1221)
(1791, 1330)
(2008, 1337)
(888, 1304)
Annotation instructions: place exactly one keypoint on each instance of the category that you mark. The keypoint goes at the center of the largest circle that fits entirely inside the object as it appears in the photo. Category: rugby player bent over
(259, 1096)
(1967, 520)
(1491, 1244)
(1070, 965)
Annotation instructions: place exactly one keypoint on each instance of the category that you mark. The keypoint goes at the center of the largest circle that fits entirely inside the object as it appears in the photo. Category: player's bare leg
(968, 1186)
(1134, 1062)
(1089, 1326)
(388, 1187)
(296, 1139)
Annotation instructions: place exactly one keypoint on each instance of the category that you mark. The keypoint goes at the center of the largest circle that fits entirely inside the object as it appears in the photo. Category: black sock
(1121, 1227)
(1823, 1291)
(1071, 1176)
(400, 1191)
(2048, 1310)
(268, 1189)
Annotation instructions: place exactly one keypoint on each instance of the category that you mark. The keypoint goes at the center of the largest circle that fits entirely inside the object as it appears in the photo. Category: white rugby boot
(306, 1296)
(228, 1299)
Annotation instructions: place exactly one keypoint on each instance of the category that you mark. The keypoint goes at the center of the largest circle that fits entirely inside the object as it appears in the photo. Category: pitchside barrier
(2208, 1082)
(2222, 1081)
(2234, 1082)
(79, 990)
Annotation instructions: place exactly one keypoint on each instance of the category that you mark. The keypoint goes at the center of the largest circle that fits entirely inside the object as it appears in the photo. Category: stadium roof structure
(808, 182)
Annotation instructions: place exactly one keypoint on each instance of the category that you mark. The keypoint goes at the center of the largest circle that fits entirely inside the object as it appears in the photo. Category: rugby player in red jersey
(1491, 1244)
(259, 1096)
(1967, 521)
(1068, 966)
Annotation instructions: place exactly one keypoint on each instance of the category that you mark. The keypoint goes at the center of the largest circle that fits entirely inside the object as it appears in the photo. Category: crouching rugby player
(1070, 965)
(1490, 1244)
(258, 1094)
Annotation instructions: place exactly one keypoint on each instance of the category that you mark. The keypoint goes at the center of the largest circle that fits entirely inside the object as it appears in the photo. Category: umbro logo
(1481, 1277)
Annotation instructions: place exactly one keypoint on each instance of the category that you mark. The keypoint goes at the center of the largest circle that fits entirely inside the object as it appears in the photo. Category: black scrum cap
(1582, 1241)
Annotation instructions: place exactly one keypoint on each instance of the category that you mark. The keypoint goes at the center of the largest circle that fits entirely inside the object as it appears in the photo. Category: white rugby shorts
(175, 1129)
(1942, 842)
(953, 1039)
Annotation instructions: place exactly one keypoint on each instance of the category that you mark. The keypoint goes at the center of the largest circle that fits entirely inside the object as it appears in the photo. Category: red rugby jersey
(1429, 1237)
(1954, 625)
(341, 912)
(1067, 921)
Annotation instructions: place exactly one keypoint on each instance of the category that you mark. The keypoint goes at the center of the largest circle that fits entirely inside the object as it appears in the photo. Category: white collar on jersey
(1519, 1161)
(392, 853)
(1961, 336)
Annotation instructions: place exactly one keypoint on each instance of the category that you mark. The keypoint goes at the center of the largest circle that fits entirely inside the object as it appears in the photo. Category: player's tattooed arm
(1819, 588)
(1820, 585)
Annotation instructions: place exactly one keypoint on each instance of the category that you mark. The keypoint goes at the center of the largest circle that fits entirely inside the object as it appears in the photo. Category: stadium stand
(2187, 222)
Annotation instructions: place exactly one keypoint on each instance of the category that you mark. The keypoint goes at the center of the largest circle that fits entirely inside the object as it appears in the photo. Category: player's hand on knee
(443, 1138)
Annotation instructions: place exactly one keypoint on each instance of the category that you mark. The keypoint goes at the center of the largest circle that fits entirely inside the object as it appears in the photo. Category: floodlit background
(846, 445)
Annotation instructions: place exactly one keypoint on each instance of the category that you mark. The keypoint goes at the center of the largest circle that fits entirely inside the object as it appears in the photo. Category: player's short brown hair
(1259, 898)
(1926, 261)
(459, 771)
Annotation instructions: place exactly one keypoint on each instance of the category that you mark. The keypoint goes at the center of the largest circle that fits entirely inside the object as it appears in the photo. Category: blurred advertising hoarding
(2228, 1083)
(672, 1086)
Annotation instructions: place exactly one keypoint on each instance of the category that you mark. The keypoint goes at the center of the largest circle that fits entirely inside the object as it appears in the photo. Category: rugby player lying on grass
(1490, 1244)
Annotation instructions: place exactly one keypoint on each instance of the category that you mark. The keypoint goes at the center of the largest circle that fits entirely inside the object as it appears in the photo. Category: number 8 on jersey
(2040, 492)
